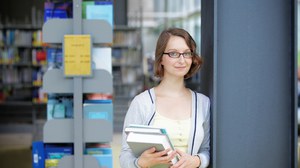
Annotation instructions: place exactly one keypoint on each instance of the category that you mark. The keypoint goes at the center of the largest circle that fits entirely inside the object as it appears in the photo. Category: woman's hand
(150, 158)
(186, 161)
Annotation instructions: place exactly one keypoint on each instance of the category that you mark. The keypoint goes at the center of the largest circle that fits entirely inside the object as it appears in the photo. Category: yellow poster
(77, 55)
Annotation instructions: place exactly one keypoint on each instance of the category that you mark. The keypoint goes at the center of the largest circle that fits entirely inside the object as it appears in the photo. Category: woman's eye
(173, 54)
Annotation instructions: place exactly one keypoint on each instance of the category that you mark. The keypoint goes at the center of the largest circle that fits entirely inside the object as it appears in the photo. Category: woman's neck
(171, 87)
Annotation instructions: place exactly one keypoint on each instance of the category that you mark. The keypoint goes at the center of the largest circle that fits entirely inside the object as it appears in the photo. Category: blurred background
(24, 59)
(25, 106)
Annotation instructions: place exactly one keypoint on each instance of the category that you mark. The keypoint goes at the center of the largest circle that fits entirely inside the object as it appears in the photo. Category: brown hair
(162, 44)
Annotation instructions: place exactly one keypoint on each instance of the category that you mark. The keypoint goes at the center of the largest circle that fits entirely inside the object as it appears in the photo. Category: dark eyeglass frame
(178, 54)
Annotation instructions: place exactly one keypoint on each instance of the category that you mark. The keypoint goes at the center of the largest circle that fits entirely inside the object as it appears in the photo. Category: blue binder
(38, 154)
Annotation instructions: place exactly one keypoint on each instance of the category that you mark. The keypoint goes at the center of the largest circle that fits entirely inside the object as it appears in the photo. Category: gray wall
(120, 12)
(249, 48)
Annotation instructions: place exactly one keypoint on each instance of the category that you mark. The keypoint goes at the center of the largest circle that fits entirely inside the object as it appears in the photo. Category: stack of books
(141, 138)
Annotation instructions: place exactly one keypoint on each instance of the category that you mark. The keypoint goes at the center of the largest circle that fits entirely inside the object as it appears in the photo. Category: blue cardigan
(142, 111)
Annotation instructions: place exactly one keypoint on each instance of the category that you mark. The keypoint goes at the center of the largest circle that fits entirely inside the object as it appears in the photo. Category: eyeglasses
(177, 54)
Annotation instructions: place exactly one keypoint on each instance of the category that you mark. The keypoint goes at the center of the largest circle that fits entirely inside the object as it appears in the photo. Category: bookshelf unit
(78, 130)
(63, 130)
(22, 64)
(127, 62)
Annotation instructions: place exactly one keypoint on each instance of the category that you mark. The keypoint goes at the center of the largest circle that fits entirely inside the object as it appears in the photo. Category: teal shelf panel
(54, 81)
(68, 162)
(55, 29)
(62, 131)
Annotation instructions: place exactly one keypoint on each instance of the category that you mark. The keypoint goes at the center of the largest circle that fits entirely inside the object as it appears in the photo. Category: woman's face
(177, 67)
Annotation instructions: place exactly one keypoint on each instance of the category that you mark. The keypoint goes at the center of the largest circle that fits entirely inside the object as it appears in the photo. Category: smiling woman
(165, 44)
(172, 62)
(173, 106)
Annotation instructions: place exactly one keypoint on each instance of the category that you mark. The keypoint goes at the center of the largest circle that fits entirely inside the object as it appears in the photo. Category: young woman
(184, 113)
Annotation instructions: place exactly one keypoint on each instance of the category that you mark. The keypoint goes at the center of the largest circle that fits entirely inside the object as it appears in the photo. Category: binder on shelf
(98, 10)
(55, 110)
(102, 59)
(47, 155)
(59, 108)
(98, 109)
(50, 163)
(103, 156)
(54, 58)
(58, 151)
(57, 10)
(104, 160)
(38, 154)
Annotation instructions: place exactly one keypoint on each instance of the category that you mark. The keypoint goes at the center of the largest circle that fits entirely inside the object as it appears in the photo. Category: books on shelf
(58, 10)
(49, 155)
(102, 154)
(98, 109)
(141, 138)
(98, 10)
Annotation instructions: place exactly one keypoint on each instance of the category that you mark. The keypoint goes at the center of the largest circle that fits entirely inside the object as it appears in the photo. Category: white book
(144, 129)
(152, 137)
(101, 58)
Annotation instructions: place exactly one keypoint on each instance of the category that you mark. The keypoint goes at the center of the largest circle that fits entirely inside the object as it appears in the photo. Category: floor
(15, 150)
